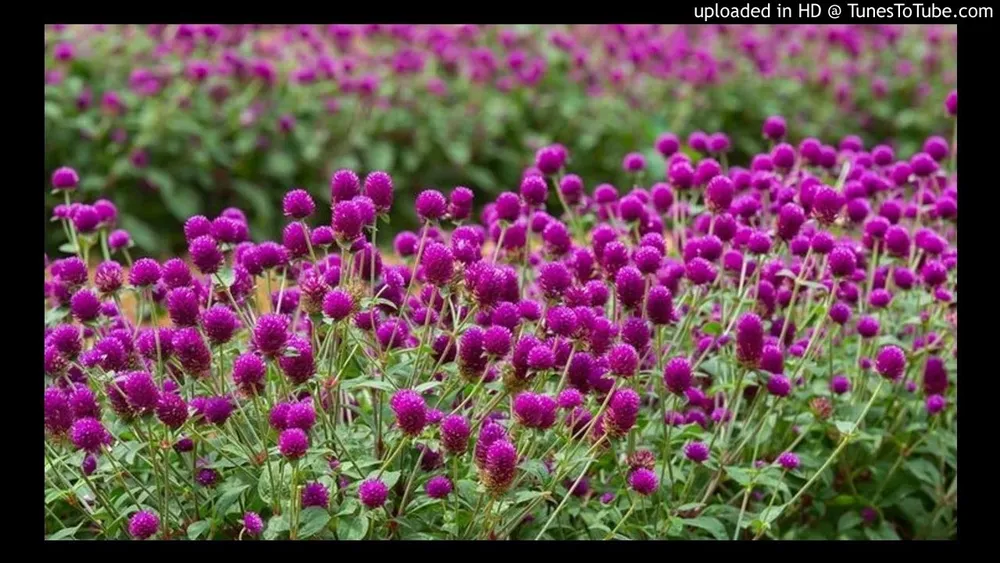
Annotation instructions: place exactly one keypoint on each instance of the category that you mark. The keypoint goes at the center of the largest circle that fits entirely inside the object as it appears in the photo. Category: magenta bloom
(438, 487)
(271, 334)
(500, 467)
(431, 205)
(410, 410)
(623, 360)
(677, 375)
(788, 461)
(373, 493)
(749, 339)
(378, 187)
(890, 362)
(696, 451)
(65, 178)
(143, 524)
(643, 481)
(89, 434)
(293, 443)
(455, 433)
(298, 204)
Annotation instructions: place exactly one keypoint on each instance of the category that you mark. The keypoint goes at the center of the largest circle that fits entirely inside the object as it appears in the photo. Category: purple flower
(85, 218)
(298, 204)
(890, 362)
(659, 305)
(534, 190)
(145, 272)
(455, 433)
(623, 360)
(410, 411)
(935, 404)
(438, 487)
(373, 493)
(271, 334)
(634, 162)
(88, 434)
(774, 127)
(719, 194)
(143, 524)
(249, 372)
(779, 385)
(431, 205)
(749, 339)
(141, 391)
(253, 524)
(293, 443)
(623, 411)
(119, 240)
(171, 410)
(65, 178)
(344, 185)
(315, 494)
(677, 375)
(840, 384)
(696, 452)
(500, 467)
(788, 461)
(643, 481)
(438, 264)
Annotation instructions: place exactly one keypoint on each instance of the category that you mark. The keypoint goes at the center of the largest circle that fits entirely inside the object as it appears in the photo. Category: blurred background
(168, 121)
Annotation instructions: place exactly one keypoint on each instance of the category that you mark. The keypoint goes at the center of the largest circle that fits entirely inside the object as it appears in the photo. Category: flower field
(501, 282)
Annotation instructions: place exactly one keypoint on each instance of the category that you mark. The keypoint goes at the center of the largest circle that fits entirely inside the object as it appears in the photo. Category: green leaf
(740, 475)
(275, 526)
(68, 248)
(711, 525)
(350, 506)
(312, 521)
(228, 498)
(373, 384)
(389, 478)
(381, 156)
(715, 329)
(844, 426)
(524, 496)
(924, 470)
(280, 164)
(843, 500)
(353, 528)
(142, 233)
(426, 386)
(64, 533)
(690, 506)
(53, 316)
(848, 521)
(198, 528)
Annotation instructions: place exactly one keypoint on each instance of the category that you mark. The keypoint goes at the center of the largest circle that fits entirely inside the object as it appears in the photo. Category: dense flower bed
(203, 117)
(759, 352)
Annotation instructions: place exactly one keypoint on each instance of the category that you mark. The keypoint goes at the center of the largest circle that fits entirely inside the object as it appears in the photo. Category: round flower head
(840, 313)
(643, 481)
(923, 164)
(410, 411)
(951, 103)
(779, 385)
(119, 239)
(373, 493)
(534, 190)
(719, 194)
(897, 241)
(460, 203)
(867, 326)
(783, 156)
(298, 364)
(623, 410)
(634, 162)
(935, 404)
(438, 487)
(438, 264)
(630, 287)
(171, 410)
(65, 178)
(774, 127)
(788, 461)
(315, 494)
(431, 205)
(143, 524)
(271, 334)
(88, 434)
(378, 187)
(528, 409)
(298, 204)
(497, 341)
(293, 443)
(890, 362)
(500, 467)
(570, 399)
(249, 372)
(749, 339)
(219, 323)
(659, 305)
(700, 271)
(141, 391)
(347, 220)
(772, 360)
(145, 272)
(677, 375)
(550, 159)
(718, 143)
(197, 226)
(337, 304)
(253, 524)
(108, 277)
(696, 452)
(554, 278)
(826, 204)
(541, 357)
(455, 434)
(843, 262)
(840, 384)
(623, 360)
(935, 376)
(667, 144)
(344, 185)
(85, 305)
(301, 415)
(790, 220)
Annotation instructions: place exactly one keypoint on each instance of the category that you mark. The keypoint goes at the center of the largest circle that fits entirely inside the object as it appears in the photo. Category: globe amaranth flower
(774, 127)
(431, 205)
(145, 272)
(65, 179)
(438, 487)
(935, 376)
(696, 451)
(700, 271)
(630, 287)
(171, 410)
(253, 524)
(344, 185)
(338, 304)
(541, 357)
(207, 477)
(315, 494)
(293, 443)
(500, 466)
(301, 415)
(219, 323)
(890, 362)
(191, 350)
(749, 339)
(843, 262)
(840, 384)
(108, 277)
(438, 264)
(779, 385)
(788, 461)
(719, 194)
(534, 190)
(867, 326)
(623, 360)
(550, 159)
(935, 404)
(455, 432)
(119, 240)
(85, 305)
(249, 372)
(298, 362)
(183, 306)
(826, 204)
(271, 334)
(643, 481)
(622, 412)
(373, 493)
(410, 411)
(88, 434)
(143, 524)
(141, 390)
(298, 204)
